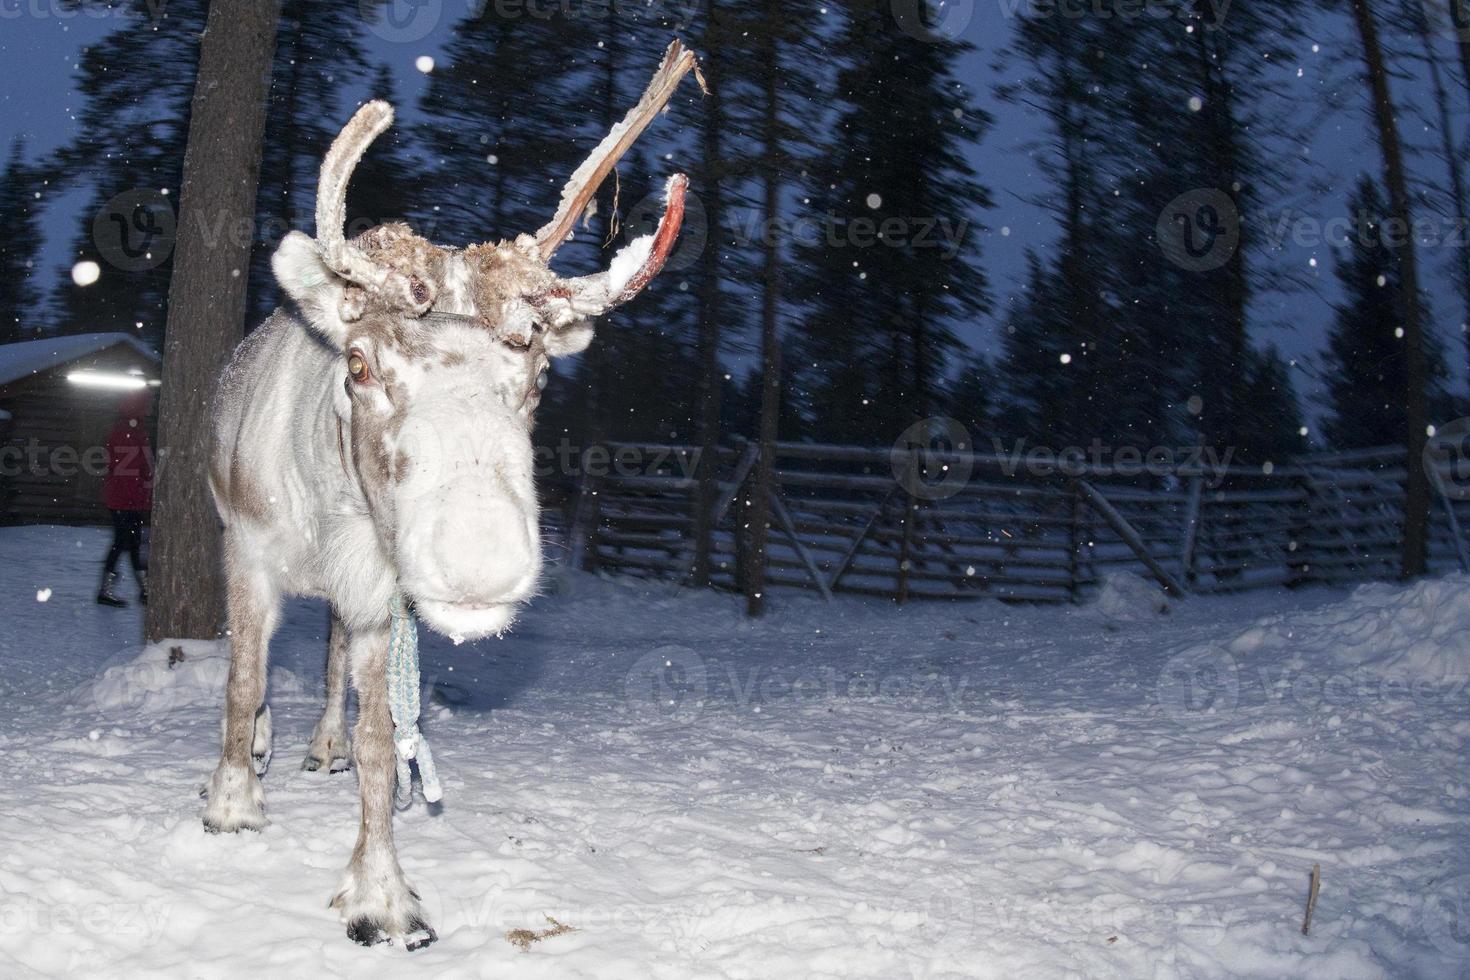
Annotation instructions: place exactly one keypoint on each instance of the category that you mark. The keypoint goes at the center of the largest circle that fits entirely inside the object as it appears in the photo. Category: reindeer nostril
(419, 289)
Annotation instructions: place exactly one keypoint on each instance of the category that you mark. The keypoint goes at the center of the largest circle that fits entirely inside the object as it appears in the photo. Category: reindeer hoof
(420, 936)
(328, 750)
(234, 801)
(366, 931)
(313, 764)
(215, 825)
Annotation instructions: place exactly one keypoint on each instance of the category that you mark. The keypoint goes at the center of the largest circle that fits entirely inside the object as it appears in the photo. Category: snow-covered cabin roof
(21, 360)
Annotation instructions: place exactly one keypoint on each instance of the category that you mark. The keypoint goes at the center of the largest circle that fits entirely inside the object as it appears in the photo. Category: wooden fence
(911, 524)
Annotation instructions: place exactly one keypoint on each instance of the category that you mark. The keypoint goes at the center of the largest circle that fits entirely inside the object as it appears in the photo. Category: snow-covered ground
(843, 790)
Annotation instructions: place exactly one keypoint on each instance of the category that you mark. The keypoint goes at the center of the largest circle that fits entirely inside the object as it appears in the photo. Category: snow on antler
(585, 180)
(635, 265)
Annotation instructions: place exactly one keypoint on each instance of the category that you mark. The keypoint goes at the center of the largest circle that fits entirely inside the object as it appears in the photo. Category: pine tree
(500, 149)
(970, 398)
(881, 297)
(1044, 392)
(1055, 333)
(1271, 431)
(131, 130)
(20, 246)
(1140, 111)
(1365, 361)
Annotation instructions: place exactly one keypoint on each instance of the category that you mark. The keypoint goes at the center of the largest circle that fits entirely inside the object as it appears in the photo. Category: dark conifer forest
(837, 278)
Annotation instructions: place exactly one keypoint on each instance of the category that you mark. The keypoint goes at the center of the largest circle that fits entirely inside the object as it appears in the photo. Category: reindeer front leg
(329, 741)
(375, 900)
(236, 799)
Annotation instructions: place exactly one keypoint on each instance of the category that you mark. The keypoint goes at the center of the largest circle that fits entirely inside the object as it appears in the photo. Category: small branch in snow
(525, 937)
(1316, 886)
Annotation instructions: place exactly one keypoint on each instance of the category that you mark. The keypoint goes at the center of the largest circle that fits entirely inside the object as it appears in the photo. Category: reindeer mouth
(461, 621)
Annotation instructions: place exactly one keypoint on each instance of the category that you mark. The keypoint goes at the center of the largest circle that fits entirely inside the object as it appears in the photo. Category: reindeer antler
(342, 256)
(366, 125)
(585, 180)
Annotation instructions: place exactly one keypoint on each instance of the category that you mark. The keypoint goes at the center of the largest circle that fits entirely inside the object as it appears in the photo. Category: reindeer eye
(357, 367)
(542, 379)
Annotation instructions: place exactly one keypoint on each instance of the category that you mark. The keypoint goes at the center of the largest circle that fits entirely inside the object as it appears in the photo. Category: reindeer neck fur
(280, 477)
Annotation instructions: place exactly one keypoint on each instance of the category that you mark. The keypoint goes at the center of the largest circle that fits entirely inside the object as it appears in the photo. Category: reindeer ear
(571, 339)
(320, 293)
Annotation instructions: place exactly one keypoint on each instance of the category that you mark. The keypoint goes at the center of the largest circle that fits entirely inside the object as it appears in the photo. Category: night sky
(1319, 96)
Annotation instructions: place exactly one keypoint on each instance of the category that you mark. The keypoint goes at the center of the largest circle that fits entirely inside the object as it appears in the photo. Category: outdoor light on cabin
(108, 379)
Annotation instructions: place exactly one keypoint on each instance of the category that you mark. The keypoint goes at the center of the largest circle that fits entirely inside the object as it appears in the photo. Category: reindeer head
(443, 355)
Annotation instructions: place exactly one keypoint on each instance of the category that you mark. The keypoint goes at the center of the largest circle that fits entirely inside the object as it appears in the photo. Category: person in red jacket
(128, 493)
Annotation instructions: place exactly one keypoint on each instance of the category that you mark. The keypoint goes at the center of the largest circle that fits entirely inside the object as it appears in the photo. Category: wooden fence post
(1191, 527)
(1074, 550)
(591, 491)
(722, 505)
(1436, 480)
(906, 547)
(1131, 538)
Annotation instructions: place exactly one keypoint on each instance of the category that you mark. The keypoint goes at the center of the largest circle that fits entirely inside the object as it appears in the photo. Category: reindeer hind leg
(329, 745)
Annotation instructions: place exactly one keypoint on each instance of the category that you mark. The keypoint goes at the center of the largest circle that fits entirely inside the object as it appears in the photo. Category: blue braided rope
(403, 704)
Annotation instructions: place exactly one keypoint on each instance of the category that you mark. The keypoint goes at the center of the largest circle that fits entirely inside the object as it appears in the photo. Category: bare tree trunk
(1416, 484)
(206, 308)
(764, 485)
(709, 323)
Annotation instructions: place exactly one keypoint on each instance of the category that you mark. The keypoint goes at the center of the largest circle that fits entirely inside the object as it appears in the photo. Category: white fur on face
(438, 441)
(442, 438)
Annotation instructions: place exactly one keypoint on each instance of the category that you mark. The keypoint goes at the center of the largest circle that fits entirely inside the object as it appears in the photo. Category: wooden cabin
(61, 396)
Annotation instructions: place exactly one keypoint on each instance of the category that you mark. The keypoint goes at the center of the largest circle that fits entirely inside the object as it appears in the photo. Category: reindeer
(372, 443)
